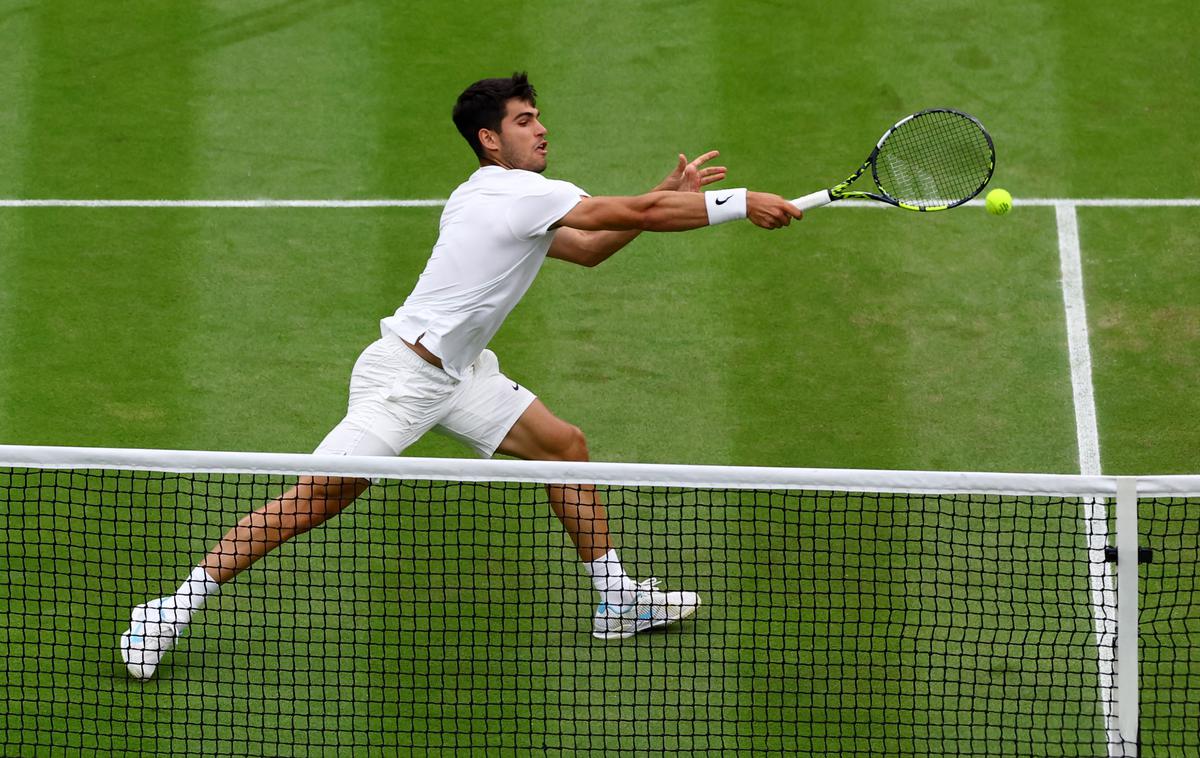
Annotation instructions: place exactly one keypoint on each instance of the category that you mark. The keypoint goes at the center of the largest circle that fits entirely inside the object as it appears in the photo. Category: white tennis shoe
(155, 628)
(651, 609)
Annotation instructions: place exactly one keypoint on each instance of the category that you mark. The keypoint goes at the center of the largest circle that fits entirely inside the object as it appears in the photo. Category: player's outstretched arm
(677, 211)
(592, 247)
(598, 227)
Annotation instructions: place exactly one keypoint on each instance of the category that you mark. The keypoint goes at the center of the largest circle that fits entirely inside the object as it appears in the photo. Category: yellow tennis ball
(999, 202)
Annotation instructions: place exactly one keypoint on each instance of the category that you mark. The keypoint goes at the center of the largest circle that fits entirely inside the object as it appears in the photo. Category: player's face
(522, 138)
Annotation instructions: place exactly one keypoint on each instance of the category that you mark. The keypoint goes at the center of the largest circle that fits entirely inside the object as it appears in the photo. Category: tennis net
(844, 612)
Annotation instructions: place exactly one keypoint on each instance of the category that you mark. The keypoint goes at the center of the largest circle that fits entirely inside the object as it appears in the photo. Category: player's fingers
(700, 161)
(792, 211)
(785, 214)
(769, 220)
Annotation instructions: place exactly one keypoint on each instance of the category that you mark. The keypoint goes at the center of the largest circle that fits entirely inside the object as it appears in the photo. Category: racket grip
(815, 200)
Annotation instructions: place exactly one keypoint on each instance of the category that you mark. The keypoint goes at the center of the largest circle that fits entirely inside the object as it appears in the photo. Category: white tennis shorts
(395, 397)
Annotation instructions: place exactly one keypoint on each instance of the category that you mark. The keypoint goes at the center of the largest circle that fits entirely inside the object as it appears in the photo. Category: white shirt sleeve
(531, 215)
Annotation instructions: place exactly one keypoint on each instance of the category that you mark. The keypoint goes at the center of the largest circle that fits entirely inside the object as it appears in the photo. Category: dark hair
(483, 104)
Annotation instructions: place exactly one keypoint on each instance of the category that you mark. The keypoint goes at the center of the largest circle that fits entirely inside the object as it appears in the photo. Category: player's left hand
(690, 176)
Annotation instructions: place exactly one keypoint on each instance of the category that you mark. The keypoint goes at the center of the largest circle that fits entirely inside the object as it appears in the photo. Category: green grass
(857, 338)
(1146, 322)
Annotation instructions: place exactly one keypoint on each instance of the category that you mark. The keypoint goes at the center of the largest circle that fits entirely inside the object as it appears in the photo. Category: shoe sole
(645, 624)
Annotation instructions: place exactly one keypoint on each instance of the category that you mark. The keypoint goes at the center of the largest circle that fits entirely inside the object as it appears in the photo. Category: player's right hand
(770, 211)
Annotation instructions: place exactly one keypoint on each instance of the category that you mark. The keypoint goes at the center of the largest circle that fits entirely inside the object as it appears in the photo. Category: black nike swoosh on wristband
(723, 200)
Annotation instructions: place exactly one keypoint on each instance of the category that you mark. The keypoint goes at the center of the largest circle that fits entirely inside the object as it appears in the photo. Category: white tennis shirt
(495, 232)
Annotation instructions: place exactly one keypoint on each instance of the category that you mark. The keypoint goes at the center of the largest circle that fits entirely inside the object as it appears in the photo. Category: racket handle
(815, 200)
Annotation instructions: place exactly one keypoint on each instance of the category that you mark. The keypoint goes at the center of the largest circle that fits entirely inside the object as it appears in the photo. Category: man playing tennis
(431, 369)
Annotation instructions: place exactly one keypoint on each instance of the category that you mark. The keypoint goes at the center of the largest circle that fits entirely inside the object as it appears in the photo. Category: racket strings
(936, 158)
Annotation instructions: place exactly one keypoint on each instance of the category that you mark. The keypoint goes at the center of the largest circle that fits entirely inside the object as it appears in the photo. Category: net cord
(554, 472)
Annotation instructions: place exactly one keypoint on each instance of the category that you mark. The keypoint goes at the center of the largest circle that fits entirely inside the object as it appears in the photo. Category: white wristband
(725, 205)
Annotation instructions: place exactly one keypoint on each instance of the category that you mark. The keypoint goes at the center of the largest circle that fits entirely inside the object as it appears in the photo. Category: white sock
(613, 584)
(191, 594)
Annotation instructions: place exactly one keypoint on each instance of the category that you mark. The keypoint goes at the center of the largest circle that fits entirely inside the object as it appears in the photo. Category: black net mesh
(448, 617)
(936, 158)
(1169, 627)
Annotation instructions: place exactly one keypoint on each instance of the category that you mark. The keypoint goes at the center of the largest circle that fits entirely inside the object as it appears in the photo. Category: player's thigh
(539, 435)
(485, 407)
(395, 397)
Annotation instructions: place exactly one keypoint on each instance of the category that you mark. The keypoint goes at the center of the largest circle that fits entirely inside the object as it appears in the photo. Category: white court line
(261, 203)
(1094, 510)
(1131, 202)
(1077, 340)
(1113, 202)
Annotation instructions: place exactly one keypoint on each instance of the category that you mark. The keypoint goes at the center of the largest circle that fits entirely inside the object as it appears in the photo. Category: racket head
(933, 160)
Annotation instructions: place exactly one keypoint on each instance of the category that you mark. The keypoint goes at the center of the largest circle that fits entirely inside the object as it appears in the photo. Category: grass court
(858, 338)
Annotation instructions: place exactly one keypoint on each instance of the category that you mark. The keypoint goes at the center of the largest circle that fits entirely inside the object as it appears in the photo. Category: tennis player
(431, 368)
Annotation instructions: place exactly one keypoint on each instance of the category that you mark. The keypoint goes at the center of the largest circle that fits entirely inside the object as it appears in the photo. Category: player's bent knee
(541, 436)
(575, 445)
(564, 443)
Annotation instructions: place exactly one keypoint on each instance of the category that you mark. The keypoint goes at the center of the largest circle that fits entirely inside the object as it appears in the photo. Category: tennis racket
(929, 161)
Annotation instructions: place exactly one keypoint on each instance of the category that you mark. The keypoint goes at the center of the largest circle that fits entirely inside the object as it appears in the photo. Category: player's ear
(489, 139)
